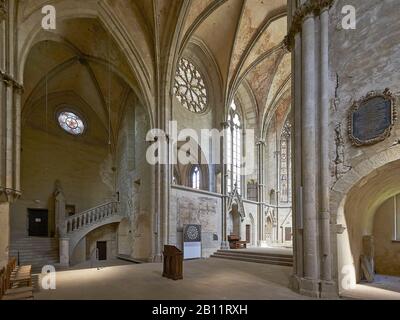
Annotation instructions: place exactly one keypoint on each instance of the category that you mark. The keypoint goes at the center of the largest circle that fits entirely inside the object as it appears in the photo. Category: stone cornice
(310, 7)
(10, 81)
(9, 195)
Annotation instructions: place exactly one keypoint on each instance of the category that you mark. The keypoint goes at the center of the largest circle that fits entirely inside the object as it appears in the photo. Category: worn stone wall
(387, 250)
(361, 60)
(79, 164)
(191, 207)
(134, 181)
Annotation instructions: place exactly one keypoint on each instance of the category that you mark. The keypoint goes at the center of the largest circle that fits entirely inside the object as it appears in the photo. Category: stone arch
(355, 197)
(29, 30)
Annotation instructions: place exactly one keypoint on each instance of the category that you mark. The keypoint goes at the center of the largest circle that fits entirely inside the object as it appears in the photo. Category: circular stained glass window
(189, 87)
(71, 123)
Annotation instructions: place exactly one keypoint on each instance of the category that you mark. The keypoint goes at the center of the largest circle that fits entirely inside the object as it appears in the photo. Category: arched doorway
(359, 212)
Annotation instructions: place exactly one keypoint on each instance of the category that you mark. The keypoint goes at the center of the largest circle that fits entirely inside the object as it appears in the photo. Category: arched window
(285, 167)
(196, 178)
(234, 149)
(189, 87)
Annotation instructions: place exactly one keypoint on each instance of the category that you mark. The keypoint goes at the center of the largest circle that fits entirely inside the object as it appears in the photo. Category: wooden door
(102, 250)
(38, 222)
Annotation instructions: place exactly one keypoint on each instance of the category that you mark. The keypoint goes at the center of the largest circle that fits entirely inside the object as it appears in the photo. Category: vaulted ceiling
(103, 51)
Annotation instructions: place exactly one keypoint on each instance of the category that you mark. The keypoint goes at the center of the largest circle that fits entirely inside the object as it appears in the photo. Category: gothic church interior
(301, 188)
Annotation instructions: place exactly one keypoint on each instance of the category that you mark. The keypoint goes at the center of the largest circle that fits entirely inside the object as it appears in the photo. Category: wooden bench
(16, 282)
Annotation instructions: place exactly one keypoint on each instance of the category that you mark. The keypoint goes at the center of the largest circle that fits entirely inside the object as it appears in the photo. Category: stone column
(64, 252)
(328, 286)
(309, 157)
(224, 240)
(261, 191)
(10, 125)
(308, 41)
(5, 232)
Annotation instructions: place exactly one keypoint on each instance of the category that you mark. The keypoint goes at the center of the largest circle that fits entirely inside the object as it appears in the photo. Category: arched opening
(367, 215)
(83, 136)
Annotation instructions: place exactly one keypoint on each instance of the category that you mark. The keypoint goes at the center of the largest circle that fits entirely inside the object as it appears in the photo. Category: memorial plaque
(372, 118)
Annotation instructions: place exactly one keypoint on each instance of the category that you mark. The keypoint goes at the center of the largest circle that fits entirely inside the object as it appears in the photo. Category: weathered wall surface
(79, 166)
(134, 182)
(361, 60)
(190, 207)
(387, 251)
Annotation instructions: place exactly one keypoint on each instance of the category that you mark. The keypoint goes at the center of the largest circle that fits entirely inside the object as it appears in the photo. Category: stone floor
(203, 279)
(207, 279)
(384, 288)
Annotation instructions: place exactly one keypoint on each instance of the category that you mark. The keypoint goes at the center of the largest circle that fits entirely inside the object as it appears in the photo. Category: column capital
(261, 142)
(225, 124)
(306, 10)
(3, 10)
(9, 195)
(9, 81)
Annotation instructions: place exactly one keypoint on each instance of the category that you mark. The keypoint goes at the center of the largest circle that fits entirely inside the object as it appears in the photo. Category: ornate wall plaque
(192, 233)
(371, 118)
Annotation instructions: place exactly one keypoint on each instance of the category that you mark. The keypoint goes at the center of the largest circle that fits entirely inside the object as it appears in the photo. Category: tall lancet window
(285, 167)
(234, 149)
(196, 178)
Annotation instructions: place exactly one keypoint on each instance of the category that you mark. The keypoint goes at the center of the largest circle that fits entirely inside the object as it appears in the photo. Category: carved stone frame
(387, 95)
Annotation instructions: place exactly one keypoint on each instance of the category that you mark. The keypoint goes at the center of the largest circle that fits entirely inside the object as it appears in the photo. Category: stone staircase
(267, 257)
(37, 252)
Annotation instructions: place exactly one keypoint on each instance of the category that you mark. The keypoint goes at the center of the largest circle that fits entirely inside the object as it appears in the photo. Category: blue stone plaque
(372, 118)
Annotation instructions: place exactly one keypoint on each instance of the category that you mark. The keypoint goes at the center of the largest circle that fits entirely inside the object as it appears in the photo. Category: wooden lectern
(173, 263)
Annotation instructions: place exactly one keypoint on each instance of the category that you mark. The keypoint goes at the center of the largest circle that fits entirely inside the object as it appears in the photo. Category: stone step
(254, 253)
(254, 260)
(36, 252)
(256, 256)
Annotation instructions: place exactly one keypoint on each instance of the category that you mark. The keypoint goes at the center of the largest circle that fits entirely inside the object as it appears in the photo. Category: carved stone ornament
(309, 7)
(371, 118)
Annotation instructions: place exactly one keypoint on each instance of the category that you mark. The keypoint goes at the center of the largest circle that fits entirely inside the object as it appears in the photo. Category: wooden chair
(16, 282)
(18, 276)
(13, 294)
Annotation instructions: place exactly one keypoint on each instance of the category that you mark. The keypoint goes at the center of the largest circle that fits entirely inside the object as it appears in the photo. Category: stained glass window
(189, 87)
(71, 123)
(196, 178)
(234, 149)
(286, 168)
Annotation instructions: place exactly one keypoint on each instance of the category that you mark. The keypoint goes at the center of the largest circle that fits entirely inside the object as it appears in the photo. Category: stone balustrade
(89, 217)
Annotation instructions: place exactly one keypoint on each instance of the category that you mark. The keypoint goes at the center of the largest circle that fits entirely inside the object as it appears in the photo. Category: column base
(329, 290)
(64, 252)
(225, 245)
(314, 288)
(306, 287)
(158, 258)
